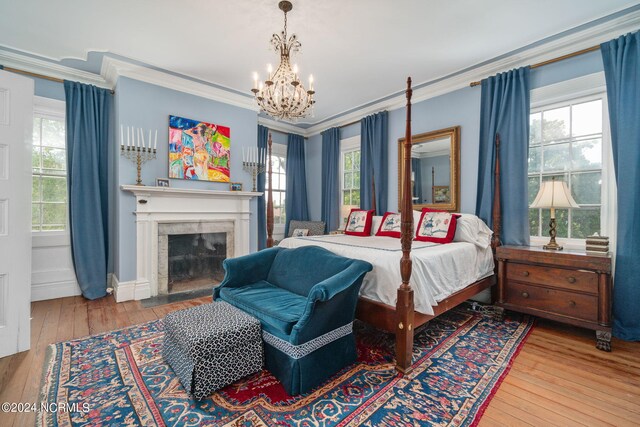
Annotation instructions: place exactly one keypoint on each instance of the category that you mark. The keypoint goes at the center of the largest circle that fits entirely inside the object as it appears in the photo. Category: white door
(16, 122)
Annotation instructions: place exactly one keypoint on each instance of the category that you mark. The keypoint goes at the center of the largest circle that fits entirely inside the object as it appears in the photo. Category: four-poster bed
(403, 318)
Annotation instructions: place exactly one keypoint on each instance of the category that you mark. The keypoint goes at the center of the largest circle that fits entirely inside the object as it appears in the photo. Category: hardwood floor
(559, 378)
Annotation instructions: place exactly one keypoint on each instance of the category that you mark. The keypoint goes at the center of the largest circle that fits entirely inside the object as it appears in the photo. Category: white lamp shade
(554, 194)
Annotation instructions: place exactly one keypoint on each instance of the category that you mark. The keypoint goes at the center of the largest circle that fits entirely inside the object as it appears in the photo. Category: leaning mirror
(435, 169)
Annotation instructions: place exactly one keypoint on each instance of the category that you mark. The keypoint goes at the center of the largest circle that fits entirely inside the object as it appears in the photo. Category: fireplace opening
(195, 261)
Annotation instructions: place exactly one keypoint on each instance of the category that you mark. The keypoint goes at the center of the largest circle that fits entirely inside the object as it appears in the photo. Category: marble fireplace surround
(158, 209)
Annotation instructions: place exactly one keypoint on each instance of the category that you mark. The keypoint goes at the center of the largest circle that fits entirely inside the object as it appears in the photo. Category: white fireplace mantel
(161, 205)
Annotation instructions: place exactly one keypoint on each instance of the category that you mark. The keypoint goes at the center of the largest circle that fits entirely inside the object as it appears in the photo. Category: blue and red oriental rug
(119, 378)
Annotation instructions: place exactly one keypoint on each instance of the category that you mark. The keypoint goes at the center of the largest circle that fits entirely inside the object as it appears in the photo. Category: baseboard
(45, 291)
(130, 290)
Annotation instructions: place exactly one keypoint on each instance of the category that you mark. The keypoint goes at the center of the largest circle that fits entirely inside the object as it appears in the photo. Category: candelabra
(137, 149)
(254, 162)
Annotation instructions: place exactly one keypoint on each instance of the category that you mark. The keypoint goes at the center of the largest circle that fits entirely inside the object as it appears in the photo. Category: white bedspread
(438, 270)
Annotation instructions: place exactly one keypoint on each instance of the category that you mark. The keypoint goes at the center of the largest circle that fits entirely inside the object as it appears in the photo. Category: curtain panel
(331, 178)
(621, 59)
(296, 206)
(504, 110)
(263, 135)
(87, 127)
(374, 137)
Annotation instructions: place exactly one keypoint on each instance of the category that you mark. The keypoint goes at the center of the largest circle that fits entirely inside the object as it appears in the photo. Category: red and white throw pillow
(359, 223)
(436, 226)
(390, 225)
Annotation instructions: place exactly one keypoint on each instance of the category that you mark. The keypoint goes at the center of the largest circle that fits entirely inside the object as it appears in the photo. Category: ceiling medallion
(282, 95)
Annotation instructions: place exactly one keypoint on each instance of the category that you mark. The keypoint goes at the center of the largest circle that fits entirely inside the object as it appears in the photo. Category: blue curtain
(374, 137)
(331, 178)
(88, 115)
(505, 106)
(416, 169)
(263, 135)
(296, 193)
(621, 59)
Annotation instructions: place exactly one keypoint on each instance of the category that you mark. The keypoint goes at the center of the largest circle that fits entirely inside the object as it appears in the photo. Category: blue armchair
(305, 299)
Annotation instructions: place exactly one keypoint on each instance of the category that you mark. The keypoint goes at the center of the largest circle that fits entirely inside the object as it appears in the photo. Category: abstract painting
(199, 150)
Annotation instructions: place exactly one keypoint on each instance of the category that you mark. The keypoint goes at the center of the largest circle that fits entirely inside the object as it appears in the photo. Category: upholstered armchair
(305, 299)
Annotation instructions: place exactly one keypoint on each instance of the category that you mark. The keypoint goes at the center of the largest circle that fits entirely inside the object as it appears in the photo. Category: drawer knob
(525, 295)
(572, 303)
(525, 273)
(571, 279)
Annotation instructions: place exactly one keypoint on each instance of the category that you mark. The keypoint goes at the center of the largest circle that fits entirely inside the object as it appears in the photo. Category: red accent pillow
(390, 225)
(359, 223)
(436, 226)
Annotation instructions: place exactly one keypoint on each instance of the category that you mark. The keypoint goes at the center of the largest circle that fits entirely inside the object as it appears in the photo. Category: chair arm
(247, 269)
(333, 285)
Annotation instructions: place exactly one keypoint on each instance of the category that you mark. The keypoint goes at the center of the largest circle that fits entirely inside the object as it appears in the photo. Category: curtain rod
(558, 59)
(40, 76)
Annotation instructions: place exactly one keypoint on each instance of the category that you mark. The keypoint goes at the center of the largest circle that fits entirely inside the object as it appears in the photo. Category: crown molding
(40, 66)
(113, 68)
(594, 35)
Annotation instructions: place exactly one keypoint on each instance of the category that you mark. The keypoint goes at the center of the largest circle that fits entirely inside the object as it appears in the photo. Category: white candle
(244, 159)
(121, 136)
(155, 143)
(255, 80)
(310, 81)
(139, 137)
(149, 141)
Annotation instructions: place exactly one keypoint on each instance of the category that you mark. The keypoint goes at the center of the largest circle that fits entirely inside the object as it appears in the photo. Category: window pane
(53, 133)
(587, 154)
(562, 222)
(586, 188)
(35, 189)
(555, 124)
(36, 130)
(356, 160)
(585, 222)
(348, 161)
(53, 159)
(348, 176)
(283, 166)
(534, 222)
(36, 159)
(355, 198)
(586, 118)
(556, 157)
(35, 217)
(346, 197)
(275, 164)
(54, 214)
(54, 189)
(534, 187)
(534, 159)
(535, 128)
(356, 180)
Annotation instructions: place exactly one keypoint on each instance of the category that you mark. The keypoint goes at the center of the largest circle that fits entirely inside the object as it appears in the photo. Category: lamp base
(552, 246)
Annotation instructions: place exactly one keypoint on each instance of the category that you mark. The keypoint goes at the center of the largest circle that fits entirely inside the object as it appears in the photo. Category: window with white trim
(569, 141)
(279, 178)
(349, 176)
(49, 168)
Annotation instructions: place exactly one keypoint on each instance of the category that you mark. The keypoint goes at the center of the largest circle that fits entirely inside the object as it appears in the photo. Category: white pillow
(375, 224)
(473, 230)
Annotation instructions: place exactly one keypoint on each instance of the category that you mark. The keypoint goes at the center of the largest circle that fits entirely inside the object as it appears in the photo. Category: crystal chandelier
(282, 96)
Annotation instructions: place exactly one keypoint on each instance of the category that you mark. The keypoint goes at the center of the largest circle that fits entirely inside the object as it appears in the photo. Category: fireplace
(190, 254)
(195, 261)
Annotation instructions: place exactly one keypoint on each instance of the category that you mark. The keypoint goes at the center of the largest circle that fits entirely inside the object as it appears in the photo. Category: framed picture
(199, 150)
(236, 186)
(441, 194)
(162, 182)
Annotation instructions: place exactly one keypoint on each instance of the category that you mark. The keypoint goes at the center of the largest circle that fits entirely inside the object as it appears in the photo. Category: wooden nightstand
(566, 286)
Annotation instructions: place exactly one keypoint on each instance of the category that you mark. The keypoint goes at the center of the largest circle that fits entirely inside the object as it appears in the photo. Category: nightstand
(567, 286)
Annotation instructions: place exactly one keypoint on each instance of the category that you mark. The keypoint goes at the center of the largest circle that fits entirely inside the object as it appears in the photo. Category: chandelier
(282, 96)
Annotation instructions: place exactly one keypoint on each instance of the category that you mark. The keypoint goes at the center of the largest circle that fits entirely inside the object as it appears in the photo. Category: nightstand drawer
(574, 280)
(554, 301)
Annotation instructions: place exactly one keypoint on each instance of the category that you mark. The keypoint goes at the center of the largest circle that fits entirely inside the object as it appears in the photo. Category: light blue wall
(442, 171)
(148, 106)
(49, 89)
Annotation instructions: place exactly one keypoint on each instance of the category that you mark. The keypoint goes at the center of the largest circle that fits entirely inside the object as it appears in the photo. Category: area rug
(119, 378)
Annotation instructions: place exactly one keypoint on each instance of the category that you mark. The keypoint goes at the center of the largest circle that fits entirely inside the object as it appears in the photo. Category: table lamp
(554, 194)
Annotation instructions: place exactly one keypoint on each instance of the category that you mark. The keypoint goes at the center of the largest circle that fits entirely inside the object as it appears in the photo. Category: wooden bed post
(269, 198)
(496, 214)
(404, 304)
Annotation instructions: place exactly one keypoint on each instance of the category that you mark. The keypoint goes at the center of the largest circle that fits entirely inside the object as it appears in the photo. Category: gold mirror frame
(454, 134)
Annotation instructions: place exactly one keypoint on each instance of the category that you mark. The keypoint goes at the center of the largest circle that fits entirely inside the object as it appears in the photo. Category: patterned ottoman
(211, 346)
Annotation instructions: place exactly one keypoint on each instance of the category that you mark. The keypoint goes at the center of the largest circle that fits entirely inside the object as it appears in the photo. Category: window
(279, 178)
(349, 176)
(49, 193)
(567, 142)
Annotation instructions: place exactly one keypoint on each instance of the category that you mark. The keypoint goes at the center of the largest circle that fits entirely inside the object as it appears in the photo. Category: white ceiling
(358, 50)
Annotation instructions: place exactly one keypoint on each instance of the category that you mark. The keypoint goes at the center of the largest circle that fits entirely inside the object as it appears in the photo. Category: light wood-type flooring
(559, 378)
